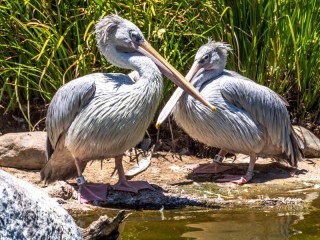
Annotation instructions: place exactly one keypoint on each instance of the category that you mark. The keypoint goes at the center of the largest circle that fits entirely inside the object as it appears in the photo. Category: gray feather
(66, 104)
(250, 118)
(97, 116)
(102, 115)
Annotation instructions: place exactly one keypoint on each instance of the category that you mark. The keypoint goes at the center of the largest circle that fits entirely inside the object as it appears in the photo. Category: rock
(104, 227)
(28, 213)
(23, 150)
(60, 189)
(310, 141)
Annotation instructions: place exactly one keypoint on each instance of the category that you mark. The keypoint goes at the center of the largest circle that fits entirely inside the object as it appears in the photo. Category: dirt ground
(274, 184)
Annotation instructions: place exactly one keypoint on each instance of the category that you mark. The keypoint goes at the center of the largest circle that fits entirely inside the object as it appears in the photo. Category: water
(231, 224)
(225, 224)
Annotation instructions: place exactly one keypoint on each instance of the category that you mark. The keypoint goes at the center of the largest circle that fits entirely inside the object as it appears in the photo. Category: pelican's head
(210, 56)
(117, 36)
(118, 39)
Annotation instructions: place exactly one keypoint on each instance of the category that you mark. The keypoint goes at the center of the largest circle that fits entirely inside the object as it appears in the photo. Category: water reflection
(253, 224)
(250, 223)
(309, 227)
(198, 223)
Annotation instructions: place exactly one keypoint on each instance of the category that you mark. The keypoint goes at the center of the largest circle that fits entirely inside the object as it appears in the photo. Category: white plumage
(250, 118)
(102, 115)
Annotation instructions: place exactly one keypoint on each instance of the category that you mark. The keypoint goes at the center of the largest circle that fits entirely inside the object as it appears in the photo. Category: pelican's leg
(89, 192)
(128, 186)
(136, 156)
(241, 179)
(218, 158)
(214, 167)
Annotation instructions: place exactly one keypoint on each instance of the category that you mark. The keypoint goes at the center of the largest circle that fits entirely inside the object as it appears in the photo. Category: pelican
(255, 120)
(101, 115)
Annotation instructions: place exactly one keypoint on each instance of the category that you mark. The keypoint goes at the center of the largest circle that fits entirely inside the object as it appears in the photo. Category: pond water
(224, 223)
(228, 225)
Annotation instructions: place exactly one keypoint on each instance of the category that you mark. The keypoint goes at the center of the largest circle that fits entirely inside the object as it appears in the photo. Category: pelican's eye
(135, 36)
(204, 58)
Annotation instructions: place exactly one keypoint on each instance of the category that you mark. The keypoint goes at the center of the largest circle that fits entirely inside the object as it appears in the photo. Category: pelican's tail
(61, 166)
(297, 147)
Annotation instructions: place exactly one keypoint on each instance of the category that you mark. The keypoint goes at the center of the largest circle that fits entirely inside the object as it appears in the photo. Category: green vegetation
(44, 44)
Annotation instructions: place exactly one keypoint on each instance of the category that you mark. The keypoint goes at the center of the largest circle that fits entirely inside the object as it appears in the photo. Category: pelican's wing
(65, 105)
(235, 74)
(121, 79)
(73, 96)
(265, 107)
(239, 76)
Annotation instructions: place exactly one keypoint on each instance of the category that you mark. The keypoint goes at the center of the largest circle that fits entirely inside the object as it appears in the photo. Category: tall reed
(44, 44)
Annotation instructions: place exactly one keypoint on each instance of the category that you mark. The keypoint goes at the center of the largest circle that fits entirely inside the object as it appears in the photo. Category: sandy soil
(274, 183)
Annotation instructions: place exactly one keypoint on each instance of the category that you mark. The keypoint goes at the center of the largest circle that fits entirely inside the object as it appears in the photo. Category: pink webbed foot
(240, 180)
(92, 192)
(207, 168)
(132, 186)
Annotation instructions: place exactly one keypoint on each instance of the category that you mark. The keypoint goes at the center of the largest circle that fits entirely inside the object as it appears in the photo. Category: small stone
(60, 189)
(175, 168)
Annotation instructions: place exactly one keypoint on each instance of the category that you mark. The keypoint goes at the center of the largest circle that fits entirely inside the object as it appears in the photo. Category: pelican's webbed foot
(89, 192)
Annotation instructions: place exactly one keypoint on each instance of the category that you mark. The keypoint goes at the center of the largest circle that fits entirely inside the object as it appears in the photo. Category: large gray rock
(23, 150)
(28, 213)
(310, 141)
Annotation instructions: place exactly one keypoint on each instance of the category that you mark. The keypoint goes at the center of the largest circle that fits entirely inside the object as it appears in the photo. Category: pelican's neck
(206, 76)
(147, 69)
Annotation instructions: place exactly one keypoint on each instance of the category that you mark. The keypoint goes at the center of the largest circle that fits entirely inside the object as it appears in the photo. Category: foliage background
(44, 44)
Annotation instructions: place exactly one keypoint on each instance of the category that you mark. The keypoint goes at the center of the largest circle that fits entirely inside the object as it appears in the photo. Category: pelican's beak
(194, 71)
(167, 109)
(146, 49)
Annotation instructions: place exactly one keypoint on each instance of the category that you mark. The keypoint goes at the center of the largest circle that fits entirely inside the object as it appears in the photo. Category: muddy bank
(274, 184)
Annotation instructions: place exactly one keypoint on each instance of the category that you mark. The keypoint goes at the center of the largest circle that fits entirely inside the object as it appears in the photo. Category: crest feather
(106, 25)
(222, 46)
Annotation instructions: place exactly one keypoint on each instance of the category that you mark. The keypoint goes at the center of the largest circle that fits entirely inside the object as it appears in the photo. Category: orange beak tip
(157, 125)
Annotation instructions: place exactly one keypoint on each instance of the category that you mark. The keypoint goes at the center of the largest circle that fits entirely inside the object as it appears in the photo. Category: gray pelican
(101, 115)
(255, 120)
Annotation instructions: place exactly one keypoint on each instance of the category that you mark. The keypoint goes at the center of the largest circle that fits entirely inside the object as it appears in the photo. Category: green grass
(44, 44)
